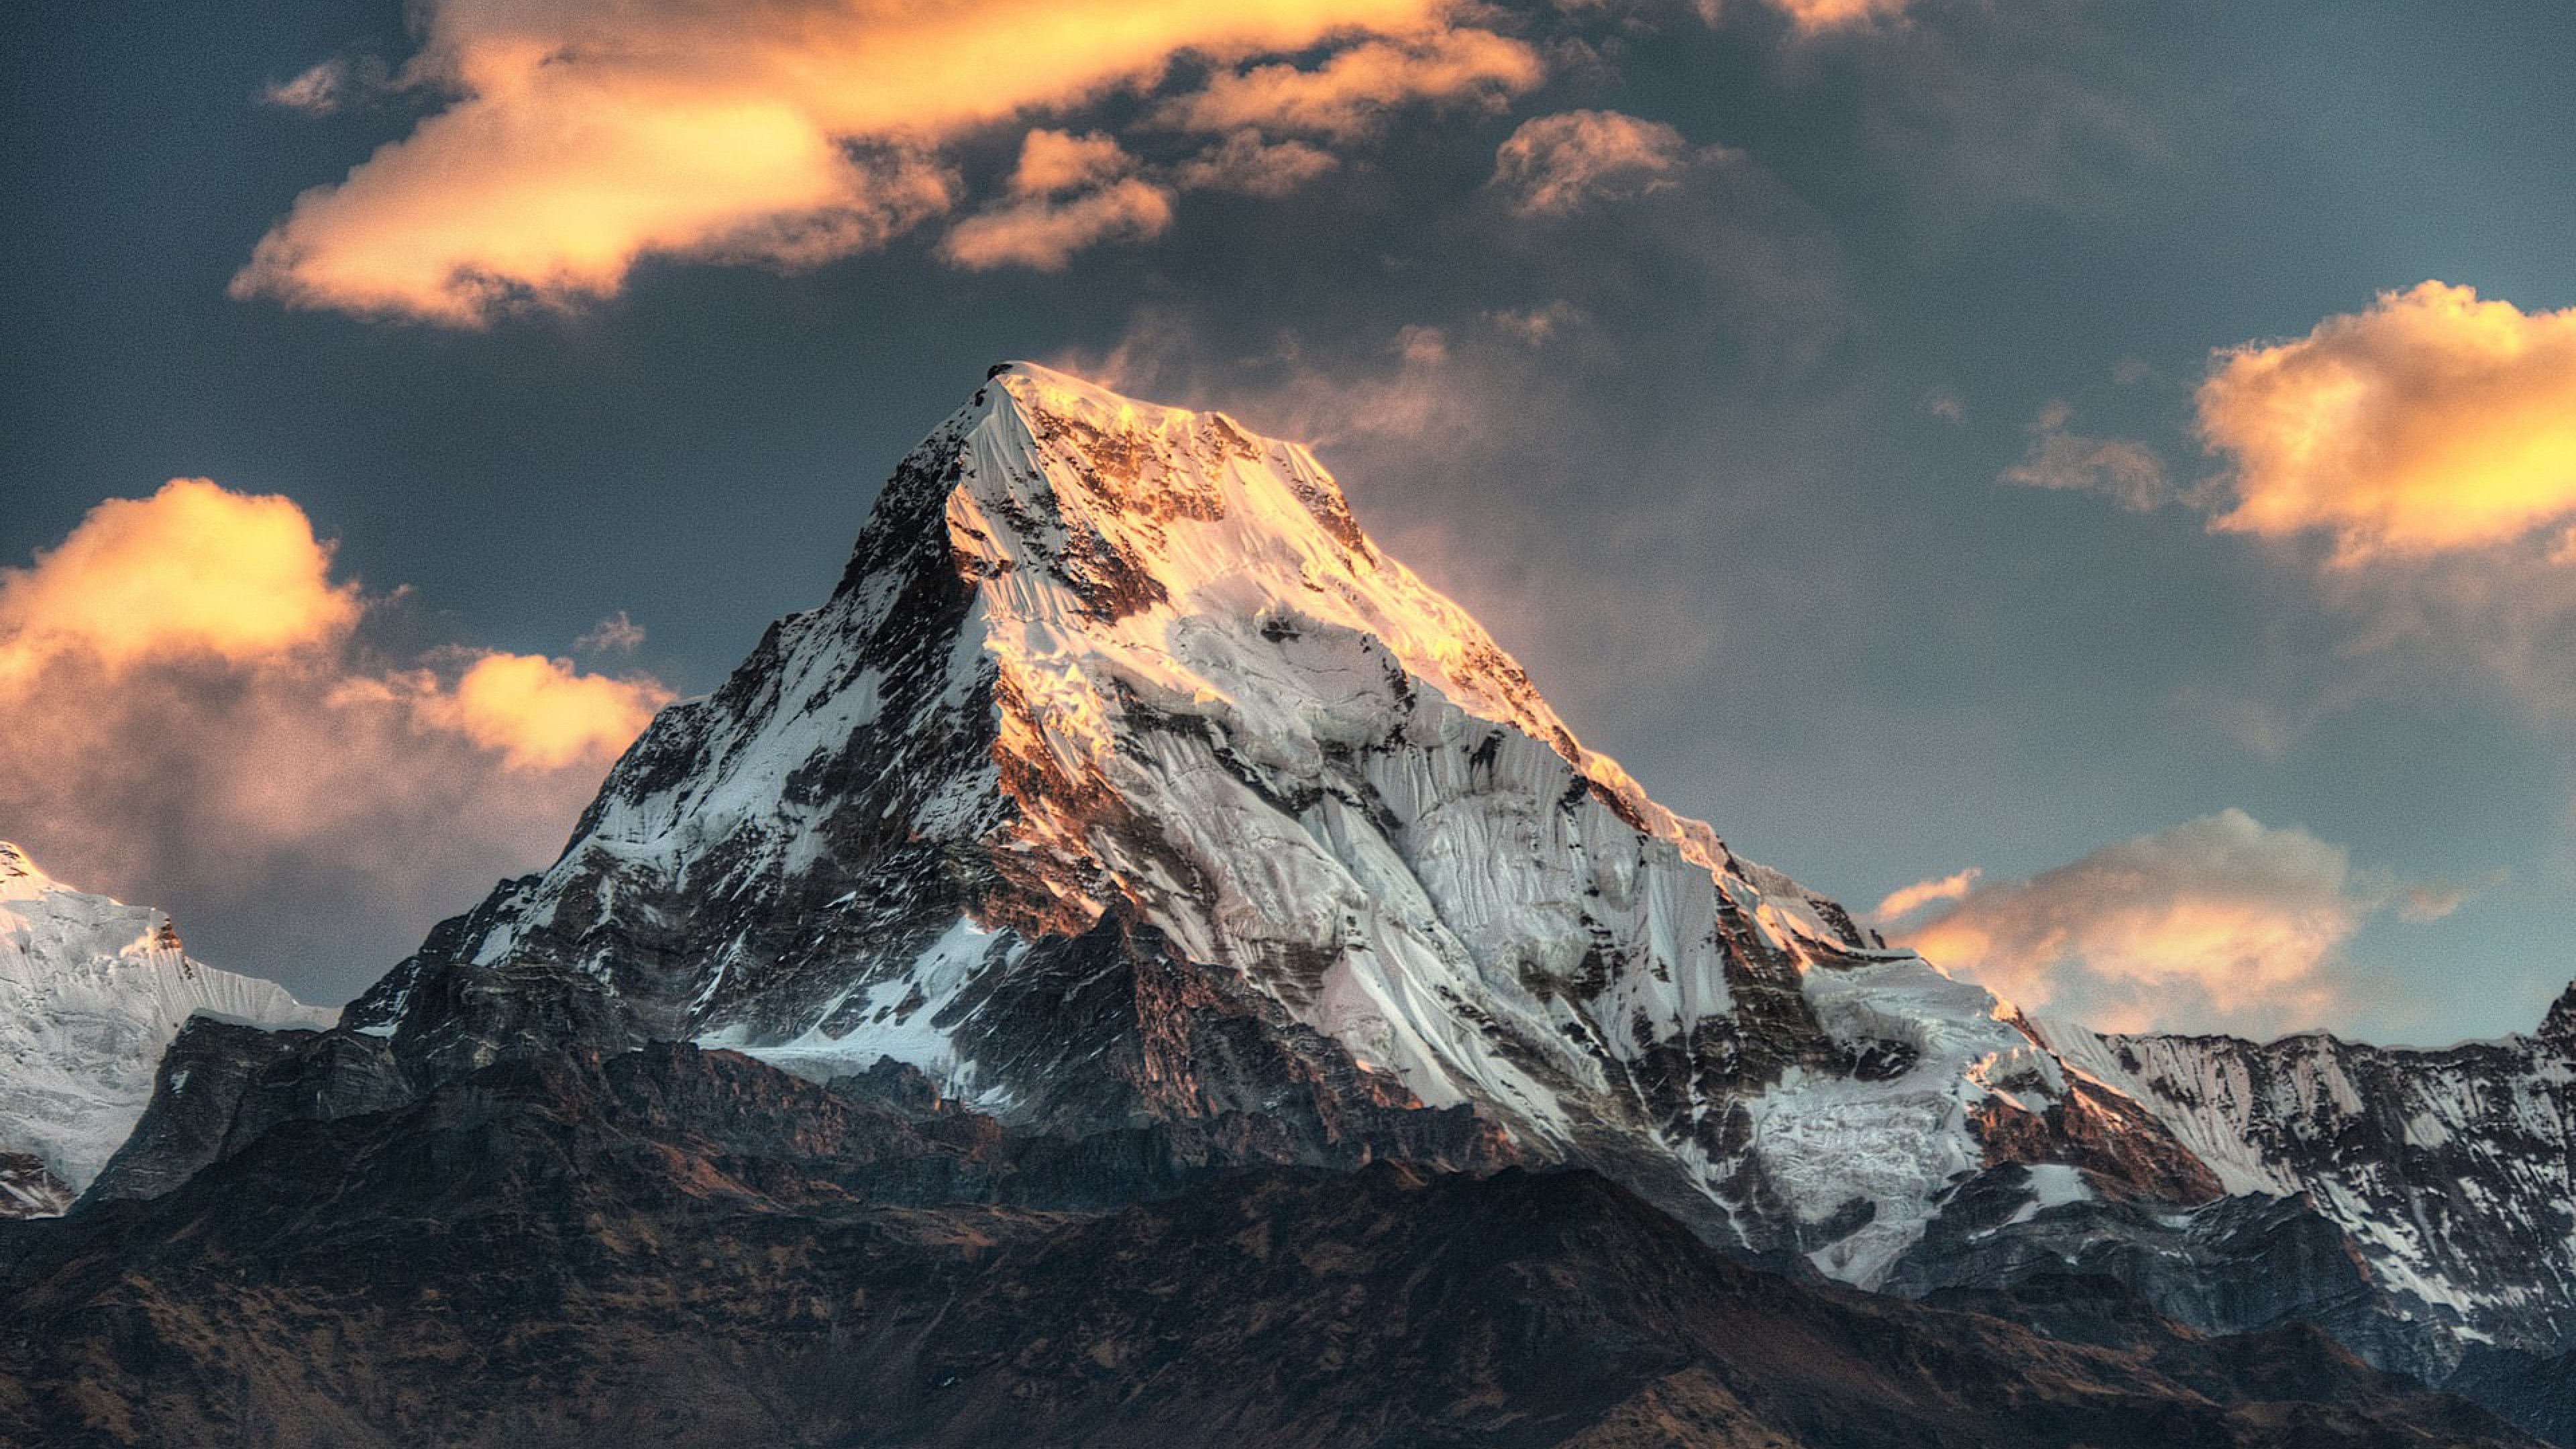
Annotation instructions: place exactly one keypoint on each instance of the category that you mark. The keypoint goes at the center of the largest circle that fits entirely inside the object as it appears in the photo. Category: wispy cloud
(1353, 92)
(318, 90)
(615, 634)
(1553, 165)
(2127, 471)
(1906, 900)
(1068, 193)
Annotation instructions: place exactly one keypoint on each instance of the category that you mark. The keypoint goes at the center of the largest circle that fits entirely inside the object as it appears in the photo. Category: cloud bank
(2219, 924)
(584, 136)
(193, 718)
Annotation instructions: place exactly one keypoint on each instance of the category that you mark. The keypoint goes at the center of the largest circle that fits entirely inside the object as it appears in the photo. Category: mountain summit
(91, 991)
(1126, 793)
(1125, 779)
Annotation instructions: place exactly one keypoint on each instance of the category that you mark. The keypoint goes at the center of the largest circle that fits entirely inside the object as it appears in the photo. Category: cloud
(2433, 422)
(193, 570)
(583, 136)
(2418, 460)
(1055, 162)
(615, 634)
(318, 91)
(2129, 473)
(1244, 162)
(1541, 325)
(193, 716)
(1071, 192)
(1353, 92)
(2428, 901)
(1817, 16)
(1906, 900)
(2223, 923)
(1044, 232)
(1554, 165)
(537, 713)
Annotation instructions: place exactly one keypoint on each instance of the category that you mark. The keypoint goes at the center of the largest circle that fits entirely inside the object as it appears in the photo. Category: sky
(2090, 484)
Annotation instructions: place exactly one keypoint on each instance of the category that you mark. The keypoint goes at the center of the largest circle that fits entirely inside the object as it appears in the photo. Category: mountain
(1126, 796)
(2452, 1171)
(1124, 778)
(91, 992)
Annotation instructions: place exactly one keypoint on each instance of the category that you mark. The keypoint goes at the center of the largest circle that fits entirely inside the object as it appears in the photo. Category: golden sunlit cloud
(194, 569)
(1815, 17)
(2432, 422)
(1053, 162)
(1044, 232)
(544, 714)
(1353, 92)
(185, 697)
(1906, 900)
(1070, 192)
(2222, 923)
(585, 135)
(1558, 164)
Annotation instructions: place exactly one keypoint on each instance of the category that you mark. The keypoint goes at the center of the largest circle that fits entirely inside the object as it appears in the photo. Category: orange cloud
(543, 714)
(1815, 17)
(1054, 162)
(1246, 163)
(1558, 164)
(587, 135)
(2433, 422)
(1906, 900)
(193, 569)
(1820, 15)
(1351, 93)
(2222, 923)
(1045, 232)
(190, 714)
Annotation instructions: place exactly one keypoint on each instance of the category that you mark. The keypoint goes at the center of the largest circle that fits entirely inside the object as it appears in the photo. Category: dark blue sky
(1740, 508)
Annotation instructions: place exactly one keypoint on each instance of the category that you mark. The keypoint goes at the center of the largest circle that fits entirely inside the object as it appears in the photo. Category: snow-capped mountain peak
(91, 992)
(1101, 666)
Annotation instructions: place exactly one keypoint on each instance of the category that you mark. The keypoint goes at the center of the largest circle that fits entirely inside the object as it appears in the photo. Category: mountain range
(1136, 955)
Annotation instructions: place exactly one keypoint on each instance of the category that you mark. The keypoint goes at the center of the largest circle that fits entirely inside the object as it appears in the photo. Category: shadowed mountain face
(1128, 834)
(690, 1248)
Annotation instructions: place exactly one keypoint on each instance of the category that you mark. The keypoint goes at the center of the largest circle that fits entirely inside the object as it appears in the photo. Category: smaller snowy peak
(92, 991)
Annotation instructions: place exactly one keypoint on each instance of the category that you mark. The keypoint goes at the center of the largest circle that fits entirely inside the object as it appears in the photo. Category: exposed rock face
(686, 1248)
(91, 991)
(1125, 794)
(2452, 1172)
(28, 1189)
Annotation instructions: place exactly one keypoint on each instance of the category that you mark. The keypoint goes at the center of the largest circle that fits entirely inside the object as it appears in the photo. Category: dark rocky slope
(688, 1248)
